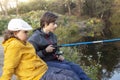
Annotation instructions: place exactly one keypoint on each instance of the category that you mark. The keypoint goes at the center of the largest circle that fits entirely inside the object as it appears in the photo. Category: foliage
(115, 19)
(73, 54)
(33, 18)
(2, 26)
(66, 33)
(97, 8)
(92, 27)
(115, 27)
(3, 23)
(70, 27)
(35, 5)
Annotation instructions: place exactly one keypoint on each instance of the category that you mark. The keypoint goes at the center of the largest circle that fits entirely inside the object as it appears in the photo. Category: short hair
(47, 18)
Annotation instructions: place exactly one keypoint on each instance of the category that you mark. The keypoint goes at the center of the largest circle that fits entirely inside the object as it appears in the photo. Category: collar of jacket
(44, 34)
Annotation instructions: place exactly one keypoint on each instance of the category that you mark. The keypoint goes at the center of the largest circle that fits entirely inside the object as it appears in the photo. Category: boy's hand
(60, 57)
(50, 48)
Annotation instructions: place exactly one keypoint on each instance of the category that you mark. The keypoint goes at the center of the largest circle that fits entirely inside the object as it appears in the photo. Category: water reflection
(116, 75)
(109, 60)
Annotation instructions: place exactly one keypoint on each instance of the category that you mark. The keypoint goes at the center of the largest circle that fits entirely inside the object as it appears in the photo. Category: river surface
(107, 55)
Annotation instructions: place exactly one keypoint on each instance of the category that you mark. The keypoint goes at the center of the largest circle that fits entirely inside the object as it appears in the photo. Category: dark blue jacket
(40, 41)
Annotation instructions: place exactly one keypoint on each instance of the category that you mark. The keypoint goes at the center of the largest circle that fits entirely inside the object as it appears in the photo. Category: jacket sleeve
(12, 57)
(40, 53)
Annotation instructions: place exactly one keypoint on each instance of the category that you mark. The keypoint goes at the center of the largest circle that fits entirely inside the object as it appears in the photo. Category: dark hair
(8, 34)
(47, 18)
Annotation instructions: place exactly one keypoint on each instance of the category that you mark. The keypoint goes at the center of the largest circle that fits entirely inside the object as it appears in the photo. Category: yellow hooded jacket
(20, 59)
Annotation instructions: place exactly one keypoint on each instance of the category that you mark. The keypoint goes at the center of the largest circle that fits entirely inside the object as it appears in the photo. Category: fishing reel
(59, 52)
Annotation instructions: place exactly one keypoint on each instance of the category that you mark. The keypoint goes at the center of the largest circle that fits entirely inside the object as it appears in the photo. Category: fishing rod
(91, 42)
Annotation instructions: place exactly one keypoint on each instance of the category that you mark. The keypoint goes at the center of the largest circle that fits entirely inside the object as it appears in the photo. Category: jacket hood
(12, 42)
(7, 42)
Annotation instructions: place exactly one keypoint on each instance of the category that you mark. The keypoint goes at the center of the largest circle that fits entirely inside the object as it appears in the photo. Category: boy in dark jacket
(44, 41)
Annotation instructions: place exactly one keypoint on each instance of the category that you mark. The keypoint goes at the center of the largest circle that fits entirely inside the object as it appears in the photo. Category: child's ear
(46, 24)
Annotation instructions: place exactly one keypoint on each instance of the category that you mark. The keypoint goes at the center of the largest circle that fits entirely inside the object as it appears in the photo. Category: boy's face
(51, 27)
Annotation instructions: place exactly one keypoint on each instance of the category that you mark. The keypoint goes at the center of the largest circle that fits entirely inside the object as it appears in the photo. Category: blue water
(116, 76)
